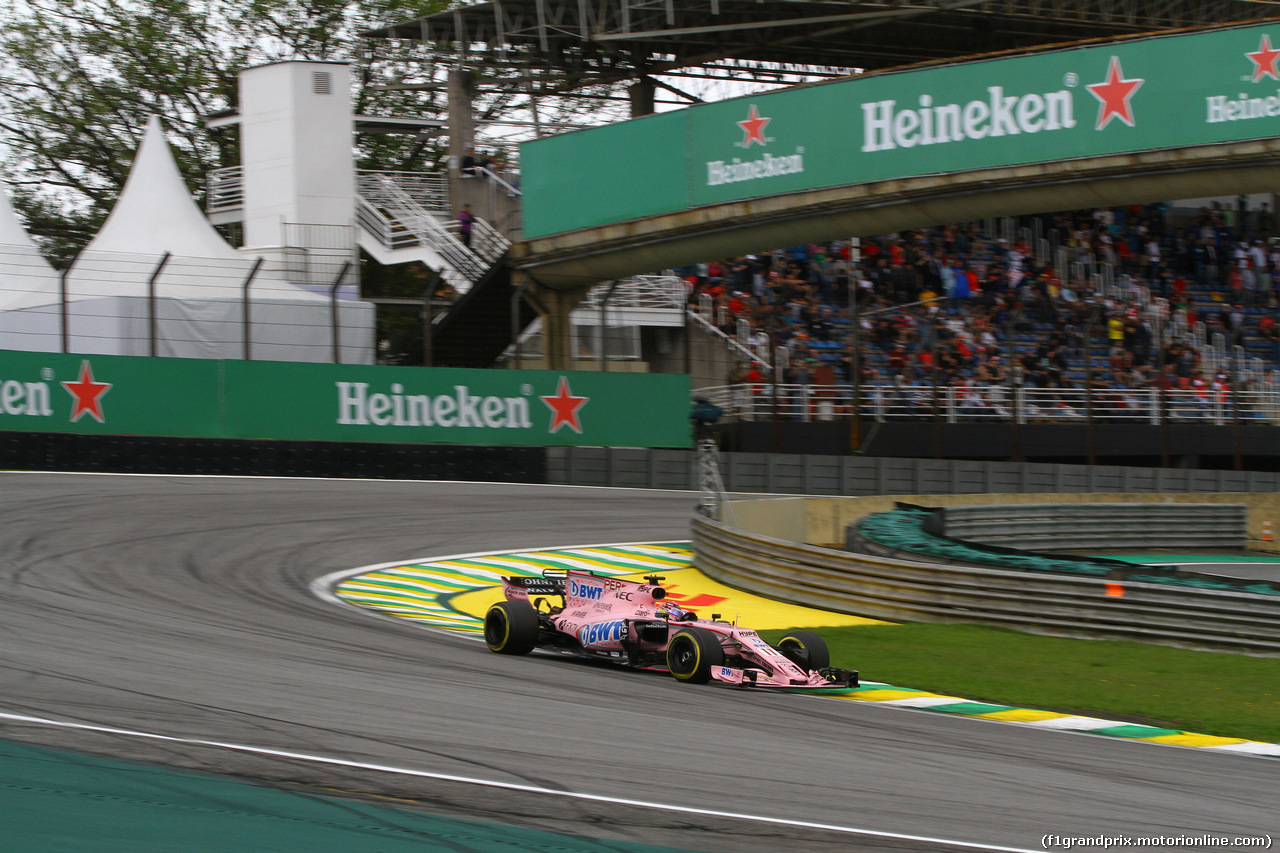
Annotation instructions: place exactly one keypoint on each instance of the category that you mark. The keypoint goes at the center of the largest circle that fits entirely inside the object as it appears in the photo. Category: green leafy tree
(80, 78)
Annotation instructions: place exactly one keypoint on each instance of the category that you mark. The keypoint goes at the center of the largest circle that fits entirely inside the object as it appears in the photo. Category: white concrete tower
(297, 157)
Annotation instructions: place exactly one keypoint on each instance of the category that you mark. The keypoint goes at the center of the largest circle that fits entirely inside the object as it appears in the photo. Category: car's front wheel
(692, 653)
(806, 650)
(511, 628)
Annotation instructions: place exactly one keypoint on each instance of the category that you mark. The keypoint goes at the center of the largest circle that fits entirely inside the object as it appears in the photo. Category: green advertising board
(1162, 92)
(118, 395)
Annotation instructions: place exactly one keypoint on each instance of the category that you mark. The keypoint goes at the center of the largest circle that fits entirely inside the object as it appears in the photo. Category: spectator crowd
(1123, 298)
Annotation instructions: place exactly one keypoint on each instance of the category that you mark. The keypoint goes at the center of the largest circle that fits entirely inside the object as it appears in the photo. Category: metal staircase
(398, 227)
(477, 328)
(401, 221)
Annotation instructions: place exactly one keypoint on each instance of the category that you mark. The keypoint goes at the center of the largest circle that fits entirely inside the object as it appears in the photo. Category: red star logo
(753, 127)
(564, 408)
(87, 394)
(1113, 96)
(1264, 60)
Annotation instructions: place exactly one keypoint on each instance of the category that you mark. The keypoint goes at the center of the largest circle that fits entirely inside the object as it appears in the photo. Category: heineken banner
(117, 395)
(1162, 92)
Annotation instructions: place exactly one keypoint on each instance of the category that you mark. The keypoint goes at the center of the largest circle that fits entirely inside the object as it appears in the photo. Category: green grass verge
(1204, 692)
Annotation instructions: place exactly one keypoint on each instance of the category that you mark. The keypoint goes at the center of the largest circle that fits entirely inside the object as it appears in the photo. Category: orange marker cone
(1266, 531)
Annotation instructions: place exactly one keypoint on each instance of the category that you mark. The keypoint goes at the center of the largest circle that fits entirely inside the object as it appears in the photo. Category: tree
(80, 78)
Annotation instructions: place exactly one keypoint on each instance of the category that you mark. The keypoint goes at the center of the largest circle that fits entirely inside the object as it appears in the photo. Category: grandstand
(1114, 314)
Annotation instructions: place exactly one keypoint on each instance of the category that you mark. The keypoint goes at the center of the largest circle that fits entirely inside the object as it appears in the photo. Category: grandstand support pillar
(461, 91)
(557, 329)
(556, 305)
(642, 97)
(520, 281)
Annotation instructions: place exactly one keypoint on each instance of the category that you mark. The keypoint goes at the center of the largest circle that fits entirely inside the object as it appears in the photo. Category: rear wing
(525, 587)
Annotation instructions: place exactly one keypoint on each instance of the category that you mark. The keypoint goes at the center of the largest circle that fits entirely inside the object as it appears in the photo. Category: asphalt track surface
(181, 606)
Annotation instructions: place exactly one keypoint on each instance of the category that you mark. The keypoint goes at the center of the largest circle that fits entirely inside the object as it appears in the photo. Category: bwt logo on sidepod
(601, 632)
(578, 589)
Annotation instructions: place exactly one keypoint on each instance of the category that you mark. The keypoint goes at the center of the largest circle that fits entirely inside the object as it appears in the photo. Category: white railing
(391, 234)
(641, 291)
(394, 235)
(967, 404)
(430, 190)
(738, 350)
(486, 241)
(224, 189)
(498, 180)
(386, 194)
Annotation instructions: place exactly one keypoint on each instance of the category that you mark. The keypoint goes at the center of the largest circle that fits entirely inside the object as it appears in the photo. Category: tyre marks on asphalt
(453, 593)
(425, 592)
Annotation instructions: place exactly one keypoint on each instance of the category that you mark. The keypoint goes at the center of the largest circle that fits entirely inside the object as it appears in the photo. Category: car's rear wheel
(692, 653)
(511, 628)
(806, 650)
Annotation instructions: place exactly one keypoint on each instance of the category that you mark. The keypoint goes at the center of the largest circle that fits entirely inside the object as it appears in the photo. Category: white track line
(510, 786)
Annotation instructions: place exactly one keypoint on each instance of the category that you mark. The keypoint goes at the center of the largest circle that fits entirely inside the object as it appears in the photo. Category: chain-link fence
(145, 305)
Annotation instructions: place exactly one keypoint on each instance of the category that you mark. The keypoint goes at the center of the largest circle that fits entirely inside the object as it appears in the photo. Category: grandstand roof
(612, 40)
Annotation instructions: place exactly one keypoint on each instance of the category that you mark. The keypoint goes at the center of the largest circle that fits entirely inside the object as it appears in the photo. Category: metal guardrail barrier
(635, 467)
(900, 590)
(995, 403)
(1076, 526)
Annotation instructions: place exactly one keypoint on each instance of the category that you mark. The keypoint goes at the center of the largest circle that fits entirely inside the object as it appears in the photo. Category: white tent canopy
(29, 314)
(158, 268)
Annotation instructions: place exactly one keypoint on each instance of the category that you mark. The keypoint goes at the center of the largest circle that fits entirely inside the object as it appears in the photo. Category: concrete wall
(825, 519)
(780, 473)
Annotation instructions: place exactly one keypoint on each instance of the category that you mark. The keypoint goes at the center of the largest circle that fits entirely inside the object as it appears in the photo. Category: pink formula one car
(634, 625)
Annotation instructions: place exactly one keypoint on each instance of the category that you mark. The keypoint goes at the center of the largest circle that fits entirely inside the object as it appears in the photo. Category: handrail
(513, 191)
(429, 189)
(393, 235)
(729, 342)
(641, 291)
(486, 241)
(427, 228)
(999, 403)
(224, 189)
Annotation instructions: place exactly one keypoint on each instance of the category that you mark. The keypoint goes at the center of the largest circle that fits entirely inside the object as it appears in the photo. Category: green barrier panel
(54, 800)
(456, 406)
(119, 395)
(109, 395)
(616, 172)
(903, 529)
(1162, 92)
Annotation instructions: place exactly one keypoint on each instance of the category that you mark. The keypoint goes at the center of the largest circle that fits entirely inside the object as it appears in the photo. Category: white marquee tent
(158, 269)
(29, 315)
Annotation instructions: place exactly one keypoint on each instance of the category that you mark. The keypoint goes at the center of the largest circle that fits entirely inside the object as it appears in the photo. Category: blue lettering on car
(578, 589)
(600, 632)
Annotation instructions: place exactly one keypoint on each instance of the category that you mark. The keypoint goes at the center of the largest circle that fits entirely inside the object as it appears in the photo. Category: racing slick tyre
(692, 653)
(806, 650)
(511, 628)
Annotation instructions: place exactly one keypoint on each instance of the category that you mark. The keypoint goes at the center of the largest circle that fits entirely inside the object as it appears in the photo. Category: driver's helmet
(675, 613)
